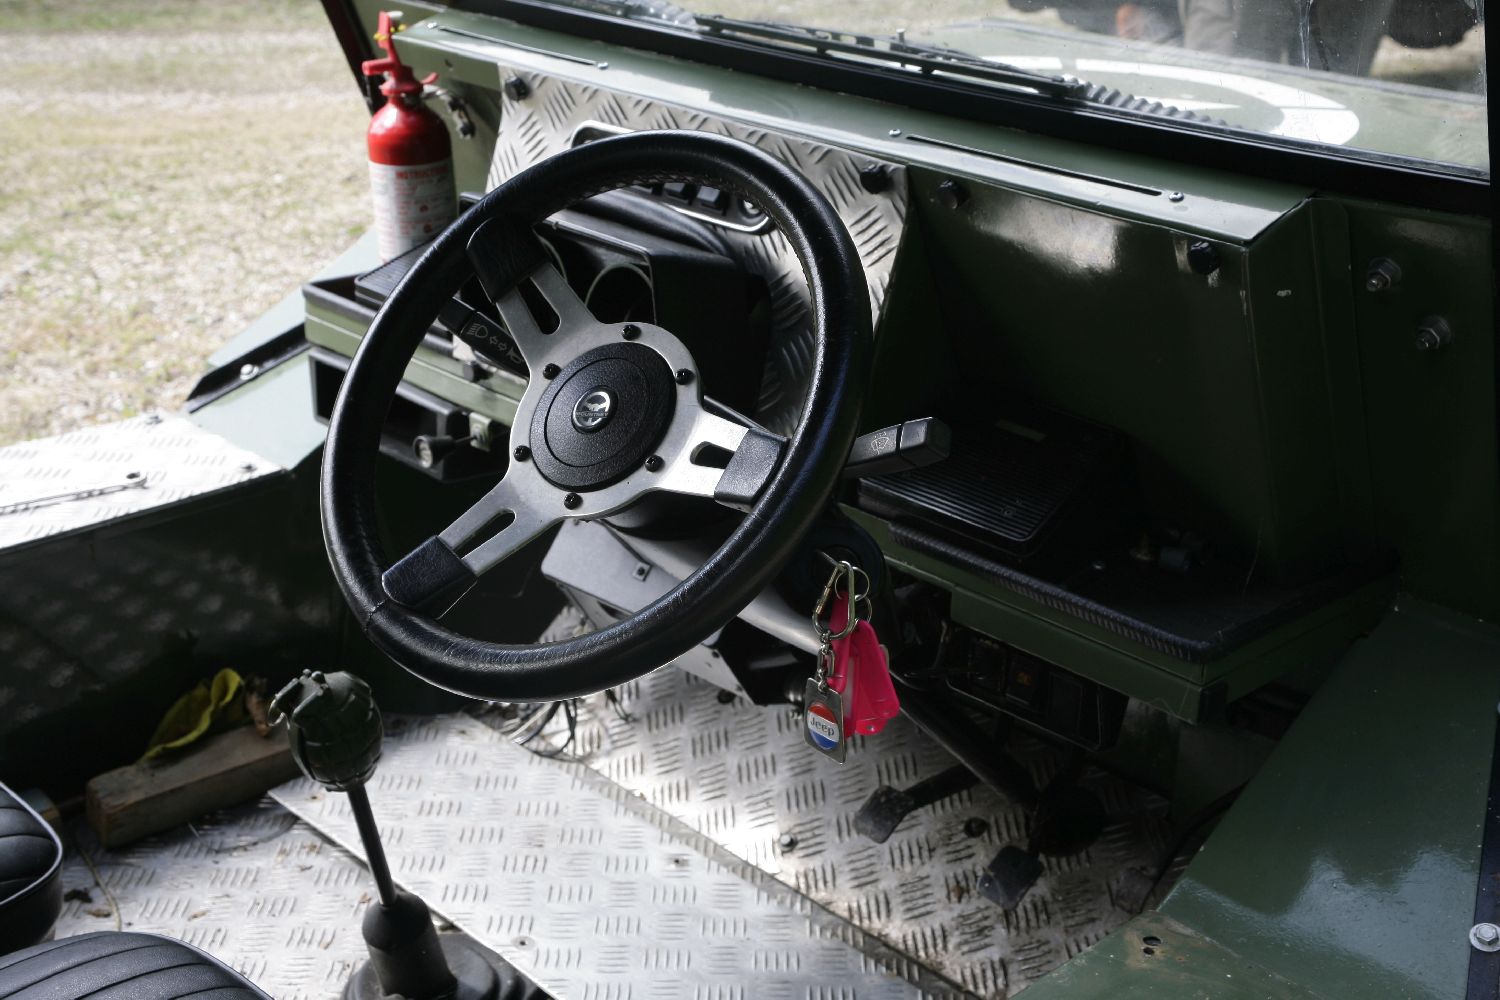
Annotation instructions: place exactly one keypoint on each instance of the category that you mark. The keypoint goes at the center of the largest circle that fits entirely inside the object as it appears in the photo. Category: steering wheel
(611, 412)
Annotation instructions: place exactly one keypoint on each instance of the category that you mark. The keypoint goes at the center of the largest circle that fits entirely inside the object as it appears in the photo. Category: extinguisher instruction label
(412, 204)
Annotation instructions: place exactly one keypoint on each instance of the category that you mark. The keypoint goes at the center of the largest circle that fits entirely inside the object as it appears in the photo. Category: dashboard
(1163, 481)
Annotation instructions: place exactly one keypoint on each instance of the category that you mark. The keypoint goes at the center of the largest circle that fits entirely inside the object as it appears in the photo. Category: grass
(173, 169)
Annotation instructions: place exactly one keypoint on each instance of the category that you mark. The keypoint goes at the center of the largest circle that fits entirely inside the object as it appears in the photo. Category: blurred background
(172, 169)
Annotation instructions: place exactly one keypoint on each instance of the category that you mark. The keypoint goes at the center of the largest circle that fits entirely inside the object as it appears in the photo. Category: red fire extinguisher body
(411, 159)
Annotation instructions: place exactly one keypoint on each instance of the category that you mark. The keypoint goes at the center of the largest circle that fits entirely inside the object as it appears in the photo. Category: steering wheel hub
(602, 416)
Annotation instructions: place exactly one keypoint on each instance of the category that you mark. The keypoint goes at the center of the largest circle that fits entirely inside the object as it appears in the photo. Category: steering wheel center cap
(602, 415)
(593, 410)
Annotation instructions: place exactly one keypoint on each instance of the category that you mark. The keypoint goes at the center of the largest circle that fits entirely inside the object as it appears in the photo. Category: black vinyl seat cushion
(30, 874)
(115, 965)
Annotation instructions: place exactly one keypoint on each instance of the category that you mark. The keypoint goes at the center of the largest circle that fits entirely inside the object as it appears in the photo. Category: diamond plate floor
(162, 458)
(740, 775)
(591, 892)
(253, 886)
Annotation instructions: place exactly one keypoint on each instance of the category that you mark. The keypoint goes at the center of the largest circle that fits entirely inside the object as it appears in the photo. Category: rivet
(654, 463)
(631, 331)
(550, 371)
(522, 453)
(683, 376)
(572, 500)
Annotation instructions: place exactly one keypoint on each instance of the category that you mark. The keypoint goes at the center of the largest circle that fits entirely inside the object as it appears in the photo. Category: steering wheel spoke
(509, 261)
(433, 576)
(723, 456)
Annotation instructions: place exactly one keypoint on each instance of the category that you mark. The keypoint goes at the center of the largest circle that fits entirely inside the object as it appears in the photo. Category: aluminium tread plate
(253, 886)
(145, 463)
(589, 891)
(740, 775)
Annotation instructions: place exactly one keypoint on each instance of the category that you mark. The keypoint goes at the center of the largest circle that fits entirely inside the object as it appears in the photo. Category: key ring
(825, 634)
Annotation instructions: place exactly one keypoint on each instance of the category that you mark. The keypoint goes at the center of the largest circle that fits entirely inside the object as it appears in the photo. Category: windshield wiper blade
(895, 50)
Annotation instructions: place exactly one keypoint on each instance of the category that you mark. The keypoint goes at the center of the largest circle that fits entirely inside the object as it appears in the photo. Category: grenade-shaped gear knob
(334, 727)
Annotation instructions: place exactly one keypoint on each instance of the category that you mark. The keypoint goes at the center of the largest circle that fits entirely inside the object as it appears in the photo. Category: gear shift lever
(335, 730)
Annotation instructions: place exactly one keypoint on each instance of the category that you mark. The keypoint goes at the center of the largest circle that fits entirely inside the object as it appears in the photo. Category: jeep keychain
(823, 707)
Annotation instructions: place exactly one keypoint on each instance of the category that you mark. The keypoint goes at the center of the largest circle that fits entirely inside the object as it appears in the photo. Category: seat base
(116, 965)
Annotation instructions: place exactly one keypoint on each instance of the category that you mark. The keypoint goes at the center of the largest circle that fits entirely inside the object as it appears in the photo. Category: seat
(30, 874)
(115, 965)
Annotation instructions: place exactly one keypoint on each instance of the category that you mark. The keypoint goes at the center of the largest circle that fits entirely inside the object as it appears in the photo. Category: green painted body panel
(437, 373)
(1186, 690)
(1154, 958)
(1350, 863)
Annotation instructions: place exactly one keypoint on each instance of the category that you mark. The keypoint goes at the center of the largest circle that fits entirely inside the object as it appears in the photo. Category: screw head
(631, 331)
(1485, 937)
(975, 827)
(654, 463)
(893, 133)
(683, 376)
(572, 500)
(787, 841)
(522, 453)
(550, 371)
(1175, 196)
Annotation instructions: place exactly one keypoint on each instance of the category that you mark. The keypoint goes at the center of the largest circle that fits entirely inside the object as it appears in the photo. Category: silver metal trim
(534, 505)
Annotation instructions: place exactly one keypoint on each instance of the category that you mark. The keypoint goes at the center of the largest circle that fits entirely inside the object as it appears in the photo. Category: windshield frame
(1341, 170)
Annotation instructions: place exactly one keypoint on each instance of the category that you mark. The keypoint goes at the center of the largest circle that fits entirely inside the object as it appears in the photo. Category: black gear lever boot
(336, 733)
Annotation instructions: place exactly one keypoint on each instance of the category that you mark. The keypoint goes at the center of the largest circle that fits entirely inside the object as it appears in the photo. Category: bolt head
(1433, 334)
(516, 89)
(572, 500)
(952, 194)
(654, 463)
(683, 376)
(874, 178)
(1485, 936)
(522, 453)
(1203, 257)
(631, 331)
(1381, 274)
(551, 371)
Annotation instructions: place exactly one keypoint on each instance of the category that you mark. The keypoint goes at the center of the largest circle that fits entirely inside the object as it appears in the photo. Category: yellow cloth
(215, 705)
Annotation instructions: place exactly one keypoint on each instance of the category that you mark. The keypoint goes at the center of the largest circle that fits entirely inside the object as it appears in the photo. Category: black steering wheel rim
(753, 554)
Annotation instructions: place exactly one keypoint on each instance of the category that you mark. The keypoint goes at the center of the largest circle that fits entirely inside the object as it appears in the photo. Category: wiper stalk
(926, 59)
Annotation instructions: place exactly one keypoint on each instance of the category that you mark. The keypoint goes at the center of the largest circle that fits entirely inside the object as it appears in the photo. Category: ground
(174, 167)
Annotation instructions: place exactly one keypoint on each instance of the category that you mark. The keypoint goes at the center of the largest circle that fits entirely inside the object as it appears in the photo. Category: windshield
(1397, 78)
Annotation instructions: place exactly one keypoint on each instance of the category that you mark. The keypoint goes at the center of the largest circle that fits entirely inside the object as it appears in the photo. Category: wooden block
(132, 802)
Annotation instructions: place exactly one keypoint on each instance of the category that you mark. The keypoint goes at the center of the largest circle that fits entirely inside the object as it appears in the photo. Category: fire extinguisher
(411, 157)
